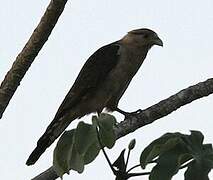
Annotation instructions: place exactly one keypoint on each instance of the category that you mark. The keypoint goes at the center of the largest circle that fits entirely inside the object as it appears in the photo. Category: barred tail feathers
(53, 131)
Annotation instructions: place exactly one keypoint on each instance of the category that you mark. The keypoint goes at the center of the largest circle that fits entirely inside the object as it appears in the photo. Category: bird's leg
(121, 111)
(126, 114)
(99, 113)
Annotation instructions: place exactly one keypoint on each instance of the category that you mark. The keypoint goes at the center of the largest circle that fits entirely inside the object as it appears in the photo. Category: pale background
(187, 58)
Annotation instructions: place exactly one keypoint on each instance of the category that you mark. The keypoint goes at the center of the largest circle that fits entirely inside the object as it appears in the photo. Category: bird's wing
(92, 74)
(90, 77)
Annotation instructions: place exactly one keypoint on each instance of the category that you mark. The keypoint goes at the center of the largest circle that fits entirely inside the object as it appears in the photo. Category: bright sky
(185, 27)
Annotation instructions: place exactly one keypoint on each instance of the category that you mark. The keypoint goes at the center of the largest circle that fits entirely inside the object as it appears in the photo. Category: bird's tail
(53, 131)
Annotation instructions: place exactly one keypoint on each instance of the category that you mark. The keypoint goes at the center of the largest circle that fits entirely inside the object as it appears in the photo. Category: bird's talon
(138, 111)
(134, 113)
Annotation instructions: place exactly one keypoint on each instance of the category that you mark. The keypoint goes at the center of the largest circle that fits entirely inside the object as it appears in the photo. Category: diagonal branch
(29, 52)
(149, 115)
(165, 107)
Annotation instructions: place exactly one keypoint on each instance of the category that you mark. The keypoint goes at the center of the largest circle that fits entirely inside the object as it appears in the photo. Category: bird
(100, 83)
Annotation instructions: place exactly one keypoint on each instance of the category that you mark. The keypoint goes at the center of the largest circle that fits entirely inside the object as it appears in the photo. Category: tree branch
(149, 115)
(29, 52)
(164, 107)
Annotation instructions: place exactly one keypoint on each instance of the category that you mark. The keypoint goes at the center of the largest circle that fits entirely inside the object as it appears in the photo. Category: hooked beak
(158, 41)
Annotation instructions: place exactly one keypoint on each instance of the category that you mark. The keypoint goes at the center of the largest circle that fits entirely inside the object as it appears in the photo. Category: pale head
(142, 37)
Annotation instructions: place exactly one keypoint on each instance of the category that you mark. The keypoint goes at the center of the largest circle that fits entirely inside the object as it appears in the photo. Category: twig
(105, 154)
(127, 160)
(138, 174)
(138, 165)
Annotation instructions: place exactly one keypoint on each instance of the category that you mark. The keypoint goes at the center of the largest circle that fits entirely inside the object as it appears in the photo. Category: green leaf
(61, 153)
(175, 149)
(85, 136)
(202, 164)
(91, 153)
(80, 146)
(106, 123)
(168, 164)
(132, 144)
(159, 146)
(75, 160)
(197, 170)
(184, 157)
(86, 142)
(196, 137)
(194, 141)
(107, 120)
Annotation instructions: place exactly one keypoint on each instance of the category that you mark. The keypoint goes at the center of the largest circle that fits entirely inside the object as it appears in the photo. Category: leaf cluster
(169, 153)
(80, 146)
(175, 151)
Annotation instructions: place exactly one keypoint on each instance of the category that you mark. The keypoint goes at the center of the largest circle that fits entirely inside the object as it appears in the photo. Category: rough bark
(29, 52)
(149, 115)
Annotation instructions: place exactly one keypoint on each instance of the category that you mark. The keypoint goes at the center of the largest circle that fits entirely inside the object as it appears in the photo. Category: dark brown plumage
(100, 84)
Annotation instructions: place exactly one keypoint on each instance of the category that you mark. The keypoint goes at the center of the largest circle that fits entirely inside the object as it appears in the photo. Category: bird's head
(142, 38)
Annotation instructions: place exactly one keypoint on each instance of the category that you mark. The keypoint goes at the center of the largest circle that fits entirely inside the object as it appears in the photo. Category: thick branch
(165, 107)
(29, 52)
(149, 115)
